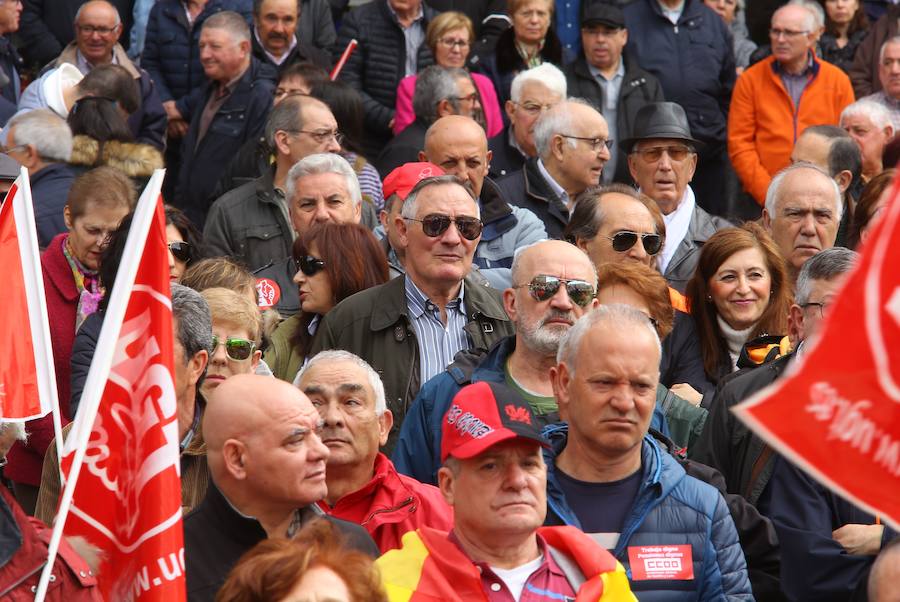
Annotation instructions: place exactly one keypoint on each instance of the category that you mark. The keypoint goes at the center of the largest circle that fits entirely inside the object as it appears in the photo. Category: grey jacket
(683, 263)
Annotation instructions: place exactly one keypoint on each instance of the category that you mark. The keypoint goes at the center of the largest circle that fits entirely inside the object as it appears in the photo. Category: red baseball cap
(482, 415)
(404, 178)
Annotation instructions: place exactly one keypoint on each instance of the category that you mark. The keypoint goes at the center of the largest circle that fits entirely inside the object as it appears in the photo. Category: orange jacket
(763, 122)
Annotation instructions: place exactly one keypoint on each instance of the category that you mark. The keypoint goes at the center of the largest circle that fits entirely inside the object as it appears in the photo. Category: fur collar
(134, 159)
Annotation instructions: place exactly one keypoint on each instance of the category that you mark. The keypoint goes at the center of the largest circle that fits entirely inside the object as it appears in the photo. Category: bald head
(550, 257)
(97, 29)
(459, 146)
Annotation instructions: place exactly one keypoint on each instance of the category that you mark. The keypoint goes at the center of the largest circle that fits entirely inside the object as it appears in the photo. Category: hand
(391, 123)
(863, 540)
(687, 392)
(177, 128)
(172, 111)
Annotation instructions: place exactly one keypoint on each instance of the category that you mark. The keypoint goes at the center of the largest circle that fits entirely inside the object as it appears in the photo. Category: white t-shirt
(515, 579)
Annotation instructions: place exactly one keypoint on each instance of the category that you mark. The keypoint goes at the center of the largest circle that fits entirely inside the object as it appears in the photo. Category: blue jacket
(50, 190)
(693, 61)
(671, 508)
(171, 48)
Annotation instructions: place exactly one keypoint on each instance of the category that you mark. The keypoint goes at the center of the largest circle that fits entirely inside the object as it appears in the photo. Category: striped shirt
(437, 343)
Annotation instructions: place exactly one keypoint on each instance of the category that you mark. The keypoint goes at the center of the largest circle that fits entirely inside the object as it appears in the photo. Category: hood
(762, 350)
(134, 159)
(62, 78)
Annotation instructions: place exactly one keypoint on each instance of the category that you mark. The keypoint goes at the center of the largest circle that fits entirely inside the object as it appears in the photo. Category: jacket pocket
(263, 244)
(228, 123)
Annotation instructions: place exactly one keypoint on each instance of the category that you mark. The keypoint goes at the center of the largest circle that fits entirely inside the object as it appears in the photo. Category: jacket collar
(496, 214)
(57, 269)
(690, 10)
(69, 55)
(386, 497)
(699, 231)
(537, 187)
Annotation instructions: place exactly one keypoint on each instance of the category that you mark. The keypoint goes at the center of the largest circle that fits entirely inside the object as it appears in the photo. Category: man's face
(388, 218)
(535, 99)
(446, 258)
(603, 45)
(807, 319)
(500, 492)
(10, 11)
(467, 98)
(221, 55)
(318, 136)
(96, 32)
(405, 5)
(790, 36)
(276, 23)
(663, 169)
(889, 71)
(870, 139)
(321, 198)
(341, 392)
(609, 399)
(583, 163)
(621, 213)
(805, 220)
(462, 153)
(186, 370)
(221, 366)
(290, 86)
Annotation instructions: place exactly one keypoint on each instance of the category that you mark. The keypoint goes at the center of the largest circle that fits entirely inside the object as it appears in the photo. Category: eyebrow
(350, 388)
(313, 389)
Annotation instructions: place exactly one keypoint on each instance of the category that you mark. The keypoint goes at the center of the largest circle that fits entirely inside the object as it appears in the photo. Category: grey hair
(229, 21)
(193, 320)
(46, 131)
(110, 4)
(555, 121)
(772, 197)
(18, 429)
(322, 163)
(615, 315)
(286, 116)
(891, 40)
(546, 74)
(515, 269)
(338, 355)
(824, 265)
(434, 84)
(814, 9)
(411, 205)
(876, 112)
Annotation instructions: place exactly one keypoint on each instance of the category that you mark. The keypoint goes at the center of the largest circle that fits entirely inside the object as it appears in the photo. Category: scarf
(734, 339)
(86, 283)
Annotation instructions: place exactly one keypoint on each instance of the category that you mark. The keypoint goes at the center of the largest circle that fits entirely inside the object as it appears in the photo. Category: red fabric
(491, 105)
(73, 581)
(391, 504)
(25, 461)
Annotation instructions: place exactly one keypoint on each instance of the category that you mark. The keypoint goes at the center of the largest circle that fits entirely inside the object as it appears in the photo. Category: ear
(766, 220)
(843, 180)
(402, 232)
(631, 168)
(693, 167)
(281, 142)
(444, 108)
(487, 163)
(581, 244)
(625, 36)
(197, 365)
(446, 483)
(795, 325)
(556, 146)
(509, 303)
(422, 157)
(254, 361)
(233, 458)
(559, 378)
(383, 217)
(67, 217)
(888, 132)
(385, 422)
(510, 108)
(245, 46)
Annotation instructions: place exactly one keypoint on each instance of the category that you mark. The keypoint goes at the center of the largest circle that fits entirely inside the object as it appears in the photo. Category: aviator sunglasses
(239, 350)
(180, 250)
(544, 287)
(435, 224)
(624, 240)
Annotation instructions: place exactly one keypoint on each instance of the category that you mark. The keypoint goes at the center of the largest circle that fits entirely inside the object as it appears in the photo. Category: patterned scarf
(86, 283)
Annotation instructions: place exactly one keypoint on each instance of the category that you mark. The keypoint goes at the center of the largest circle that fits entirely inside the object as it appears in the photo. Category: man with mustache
(553, 284)
(275, 38)
(363, 485)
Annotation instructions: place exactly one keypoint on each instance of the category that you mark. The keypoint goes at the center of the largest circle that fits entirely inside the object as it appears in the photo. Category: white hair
(876, 112)
(338, 355)
(46, 131)
(772, 194)
(615, 315)
(891, 40)
(557, 120)
(18, 429)
(322, 163)
(815, 10)
(545, 74)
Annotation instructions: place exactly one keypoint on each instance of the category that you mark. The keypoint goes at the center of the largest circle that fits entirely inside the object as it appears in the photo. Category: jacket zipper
(405, 502)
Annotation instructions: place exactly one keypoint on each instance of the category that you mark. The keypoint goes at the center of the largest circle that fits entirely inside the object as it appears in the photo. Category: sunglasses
(435, 224)
(310, 265)
(624, 240)
(544, 287)
(654, 154)
(180, 250)
(239, 350)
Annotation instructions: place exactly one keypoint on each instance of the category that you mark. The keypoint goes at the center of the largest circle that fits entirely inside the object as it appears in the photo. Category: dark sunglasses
(239, 350)
(180, 250)
(544, 287)
(310, 265)
(435, 224)
(624, 240)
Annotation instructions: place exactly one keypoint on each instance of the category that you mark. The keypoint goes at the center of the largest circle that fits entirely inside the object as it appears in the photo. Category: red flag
(127, 498)
(836, 413)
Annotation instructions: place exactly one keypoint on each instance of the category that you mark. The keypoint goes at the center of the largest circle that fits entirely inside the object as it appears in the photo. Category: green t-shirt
(540, 405)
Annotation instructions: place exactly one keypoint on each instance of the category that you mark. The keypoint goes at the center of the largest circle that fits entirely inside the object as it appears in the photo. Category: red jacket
(763, 122)
(25, 461)
(392, 504)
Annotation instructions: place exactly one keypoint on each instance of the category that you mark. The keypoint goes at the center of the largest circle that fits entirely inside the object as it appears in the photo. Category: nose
(637, 251)
(604, 152)
(317, 450)
(171, 262)
(299, 278)
(321, 214)
(218, 356)
(515, 477)
(331, 414)
(622, 398)
(451, 236)
(665, 161)
(743, 284)
(332, 145)
(561, 299)
(808, 225)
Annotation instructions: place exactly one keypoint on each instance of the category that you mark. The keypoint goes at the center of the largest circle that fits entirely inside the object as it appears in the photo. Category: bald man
(553, 284)
(267, 470)
(458, 145)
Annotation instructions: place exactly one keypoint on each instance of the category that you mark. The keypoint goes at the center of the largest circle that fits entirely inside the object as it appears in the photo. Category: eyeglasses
(321, 136)
(92, 29)
(787, 33)
(594, 143)
(238, 350)
(543, 287)
(533, 108)
(624, 240)
(435, 224)
(180, 250)
(451, 43)
(12, 149)
(654, 154)
(600, 33)
(470, 98)
(823, 307)
(309, 265)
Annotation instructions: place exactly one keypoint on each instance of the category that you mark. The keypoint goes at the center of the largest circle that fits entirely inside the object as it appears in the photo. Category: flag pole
(102, 361)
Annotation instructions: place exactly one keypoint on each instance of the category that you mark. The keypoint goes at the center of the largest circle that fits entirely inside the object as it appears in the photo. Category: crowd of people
(464, 291)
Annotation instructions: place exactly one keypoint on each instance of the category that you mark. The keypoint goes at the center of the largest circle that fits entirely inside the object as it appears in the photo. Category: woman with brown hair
(872, 201)
(333, 261)
(739, 292)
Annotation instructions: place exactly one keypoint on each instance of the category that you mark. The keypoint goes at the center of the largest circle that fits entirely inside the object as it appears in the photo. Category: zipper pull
(676, 28)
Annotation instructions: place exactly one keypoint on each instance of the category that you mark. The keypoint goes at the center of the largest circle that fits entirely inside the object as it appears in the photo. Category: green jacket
(282, 356)
(373, 324)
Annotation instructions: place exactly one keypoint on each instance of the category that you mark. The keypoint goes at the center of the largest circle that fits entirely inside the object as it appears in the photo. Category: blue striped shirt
(437, 343)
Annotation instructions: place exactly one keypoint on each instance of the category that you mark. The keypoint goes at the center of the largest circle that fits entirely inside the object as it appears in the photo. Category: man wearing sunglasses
(410, 328)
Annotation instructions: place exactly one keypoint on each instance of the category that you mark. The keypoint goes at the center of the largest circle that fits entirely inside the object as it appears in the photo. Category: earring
(709, 298)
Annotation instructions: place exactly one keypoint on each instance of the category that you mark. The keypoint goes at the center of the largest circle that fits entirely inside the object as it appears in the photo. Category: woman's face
(741, 287)
(724, 8)
(841, 11)
(315, 290)
(531, 21)
(89, 233)
(319, 583)
(221, 366)
(176, 266)
(453, 48)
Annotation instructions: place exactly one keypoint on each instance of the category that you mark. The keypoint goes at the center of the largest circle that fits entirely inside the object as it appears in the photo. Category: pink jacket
(491, 106)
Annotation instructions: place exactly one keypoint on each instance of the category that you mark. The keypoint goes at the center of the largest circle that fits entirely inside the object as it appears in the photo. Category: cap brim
(628, 143)
(608, 23)
(478, 446)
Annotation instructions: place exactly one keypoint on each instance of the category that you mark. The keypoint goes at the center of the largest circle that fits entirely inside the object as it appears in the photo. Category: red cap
(482, 415)
(404, 178)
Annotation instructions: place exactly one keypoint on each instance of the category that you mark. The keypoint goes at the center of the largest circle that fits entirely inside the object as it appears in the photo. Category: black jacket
(280, 276)
(404, 148)
(10, 84)
(638, 88)
(216, 536)
(251, 161)
(506, 158)
(488, 16)
(683, 263)
(241, 118)
(50, 190)
(302, 52)
(527, 188)
(681, 359)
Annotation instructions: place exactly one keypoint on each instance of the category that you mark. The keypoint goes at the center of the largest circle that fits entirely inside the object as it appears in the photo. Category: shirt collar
(272, 57)
(620, 71)
(557, 189)
(810, 65)
(417, 301)
(84, 65)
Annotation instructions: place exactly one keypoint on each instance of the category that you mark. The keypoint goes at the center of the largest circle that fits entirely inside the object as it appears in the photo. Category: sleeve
(39, 45)
(258, 113)
(728, 73)
(414, 453)
(150, 58)
(742, 140)
(686, 361)
(82, 354)
(860, 72)
(187, 105)
(729, 558)
(154, 120)
(325, 34)
(531, 229)
(403, 110)
(48, 494)
(217, 233)
(490, 104)
(714, 445)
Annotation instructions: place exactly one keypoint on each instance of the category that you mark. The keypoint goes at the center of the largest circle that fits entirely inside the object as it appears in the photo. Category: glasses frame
(595, 143)
(663, 149)
(454, 43)
(444, 225)
(309, 265)
(788, 34)
(823, 307)
(92, 29)
(637, 235)
(178, 254)
(555, 282)
(320, 137)
(227, 342)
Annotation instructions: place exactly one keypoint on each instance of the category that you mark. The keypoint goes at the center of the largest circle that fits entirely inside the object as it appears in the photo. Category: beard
(541, 337)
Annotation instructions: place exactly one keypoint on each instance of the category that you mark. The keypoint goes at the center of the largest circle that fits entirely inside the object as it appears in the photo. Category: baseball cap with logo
(482, 415)
(404, 178)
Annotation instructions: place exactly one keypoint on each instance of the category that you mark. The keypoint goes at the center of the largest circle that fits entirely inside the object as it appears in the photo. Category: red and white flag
(122, 455)
(836, 412)
(27, 377)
